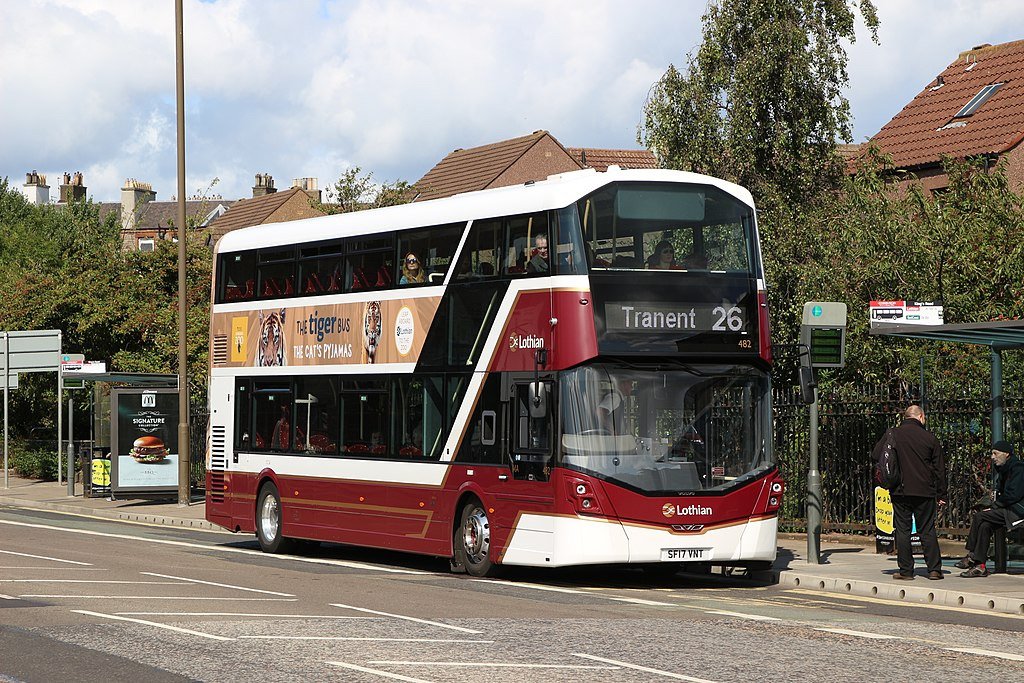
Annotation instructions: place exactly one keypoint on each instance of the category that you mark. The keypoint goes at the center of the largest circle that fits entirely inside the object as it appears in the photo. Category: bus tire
(268, 521)
(473, 540)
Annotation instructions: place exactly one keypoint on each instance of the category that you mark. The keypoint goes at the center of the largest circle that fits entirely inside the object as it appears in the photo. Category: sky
(312, 88)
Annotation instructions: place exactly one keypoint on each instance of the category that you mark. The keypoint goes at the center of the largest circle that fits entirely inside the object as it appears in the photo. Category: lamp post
(184, 479)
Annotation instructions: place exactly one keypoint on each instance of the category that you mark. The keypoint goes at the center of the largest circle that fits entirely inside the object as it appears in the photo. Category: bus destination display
(673, 316)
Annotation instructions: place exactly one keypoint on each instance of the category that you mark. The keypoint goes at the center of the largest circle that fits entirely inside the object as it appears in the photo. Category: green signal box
(823, 332)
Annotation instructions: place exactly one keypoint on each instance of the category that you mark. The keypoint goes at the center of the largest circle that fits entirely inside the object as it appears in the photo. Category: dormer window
(978, 100)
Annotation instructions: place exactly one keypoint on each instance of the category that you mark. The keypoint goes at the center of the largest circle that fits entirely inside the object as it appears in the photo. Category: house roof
(255, 211)
(468, 170)
(926, 129)
(154, 215)
(601, 159)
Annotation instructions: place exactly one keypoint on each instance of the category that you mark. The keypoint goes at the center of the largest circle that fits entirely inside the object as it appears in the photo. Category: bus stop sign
(823, 332)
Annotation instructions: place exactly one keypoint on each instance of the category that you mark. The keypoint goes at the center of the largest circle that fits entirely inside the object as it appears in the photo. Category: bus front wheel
(473, 541)
(268, 520)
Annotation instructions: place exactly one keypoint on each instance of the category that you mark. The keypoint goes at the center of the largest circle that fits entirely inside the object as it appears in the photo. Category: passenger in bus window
(415, 445)
(279, 438)
(663, 258)
(695, 261)
(539, 255)
(412, 270)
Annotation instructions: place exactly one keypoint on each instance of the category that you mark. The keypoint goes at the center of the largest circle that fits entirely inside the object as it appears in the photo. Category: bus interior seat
(312, 284)
(384, 278)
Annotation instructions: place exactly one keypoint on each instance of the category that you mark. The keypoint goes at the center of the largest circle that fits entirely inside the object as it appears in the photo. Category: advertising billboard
(144, 441)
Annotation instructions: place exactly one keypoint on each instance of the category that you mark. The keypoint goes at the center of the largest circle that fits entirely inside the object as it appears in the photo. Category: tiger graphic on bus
(372, 328)
(270, 351)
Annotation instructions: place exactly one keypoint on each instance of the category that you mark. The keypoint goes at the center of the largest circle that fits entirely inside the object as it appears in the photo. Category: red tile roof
(916, 136)
(255, 211)
(601, 159)
(467, 170)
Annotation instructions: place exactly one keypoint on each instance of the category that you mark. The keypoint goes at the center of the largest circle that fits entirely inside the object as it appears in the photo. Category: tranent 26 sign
(666, 316)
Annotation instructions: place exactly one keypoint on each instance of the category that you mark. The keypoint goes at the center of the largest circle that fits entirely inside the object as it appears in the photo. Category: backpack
(887, 462)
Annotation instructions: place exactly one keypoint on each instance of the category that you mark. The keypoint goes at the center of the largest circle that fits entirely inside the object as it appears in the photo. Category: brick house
(518, 160)
(974, 108)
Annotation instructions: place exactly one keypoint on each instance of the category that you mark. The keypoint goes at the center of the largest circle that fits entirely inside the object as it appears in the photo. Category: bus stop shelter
(999, 336)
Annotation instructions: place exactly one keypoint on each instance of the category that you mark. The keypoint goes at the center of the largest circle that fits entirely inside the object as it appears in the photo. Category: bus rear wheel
(268, 521)
(473, 541)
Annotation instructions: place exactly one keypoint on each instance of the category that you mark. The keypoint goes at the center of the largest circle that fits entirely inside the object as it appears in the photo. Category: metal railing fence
(851, 422)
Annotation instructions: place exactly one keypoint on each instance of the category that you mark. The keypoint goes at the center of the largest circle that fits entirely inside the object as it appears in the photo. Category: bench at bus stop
(1003, 540)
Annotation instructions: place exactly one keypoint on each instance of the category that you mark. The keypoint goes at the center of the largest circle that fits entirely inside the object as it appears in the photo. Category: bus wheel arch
(269, 527)
(471, 538)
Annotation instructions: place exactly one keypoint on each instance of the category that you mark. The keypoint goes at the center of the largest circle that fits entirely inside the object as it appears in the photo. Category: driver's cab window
(532, 430)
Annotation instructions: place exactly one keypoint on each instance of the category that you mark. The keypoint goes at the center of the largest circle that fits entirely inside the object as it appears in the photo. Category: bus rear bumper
(559, 541)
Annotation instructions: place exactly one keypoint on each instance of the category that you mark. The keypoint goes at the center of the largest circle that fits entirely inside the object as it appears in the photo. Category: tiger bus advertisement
(365, 332)
(144, 441)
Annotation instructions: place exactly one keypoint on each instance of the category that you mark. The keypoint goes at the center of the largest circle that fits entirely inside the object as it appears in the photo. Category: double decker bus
(566, 372)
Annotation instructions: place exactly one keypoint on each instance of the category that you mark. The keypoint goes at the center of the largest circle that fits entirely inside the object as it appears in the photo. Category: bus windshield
(700, 428)
(667, 226)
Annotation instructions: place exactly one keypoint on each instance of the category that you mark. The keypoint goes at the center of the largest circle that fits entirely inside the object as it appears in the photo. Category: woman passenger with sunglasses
(412, 270)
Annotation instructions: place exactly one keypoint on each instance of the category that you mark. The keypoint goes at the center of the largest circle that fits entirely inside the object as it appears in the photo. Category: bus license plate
(685, 554)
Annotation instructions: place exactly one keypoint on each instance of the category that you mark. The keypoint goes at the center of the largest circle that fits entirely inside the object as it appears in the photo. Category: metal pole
(997, 394)
(60, 407)
(71, 445)
(814, 491)
(7, 379)
(184, 483)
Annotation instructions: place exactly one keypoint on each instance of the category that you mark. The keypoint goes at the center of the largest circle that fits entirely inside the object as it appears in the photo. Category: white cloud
(311, 87)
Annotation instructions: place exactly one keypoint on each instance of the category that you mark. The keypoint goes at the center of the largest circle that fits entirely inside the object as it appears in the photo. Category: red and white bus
(566, 372)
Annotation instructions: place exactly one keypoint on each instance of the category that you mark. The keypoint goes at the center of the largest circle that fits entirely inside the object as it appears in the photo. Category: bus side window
(481, 254)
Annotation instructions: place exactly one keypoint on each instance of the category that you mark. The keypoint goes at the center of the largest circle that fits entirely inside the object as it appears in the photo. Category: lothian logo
(518, 341)
(672, 510)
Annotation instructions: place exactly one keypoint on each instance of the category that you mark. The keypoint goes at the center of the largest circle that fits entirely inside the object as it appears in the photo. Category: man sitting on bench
(1007, 510)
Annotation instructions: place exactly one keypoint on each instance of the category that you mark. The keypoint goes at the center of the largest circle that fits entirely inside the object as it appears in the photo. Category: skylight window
(978, 100)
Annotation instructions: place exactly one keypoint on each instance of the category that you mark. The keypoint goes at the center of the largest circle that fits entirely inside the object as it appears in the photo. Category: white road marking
(645, 669)
(237, 614)
(858, 634)
(535, 586)
(151, 623)
(986, 653)
(221, 549)
(41, 557)
(375, 640)
(400, 616)
(491, 665)
(63, 569)
(741, 615)
(220, 585)
(590, 591)
(132, 583)
(8, 597)
(156, 597)
(641, 601)
(385, 674)
(909, 603)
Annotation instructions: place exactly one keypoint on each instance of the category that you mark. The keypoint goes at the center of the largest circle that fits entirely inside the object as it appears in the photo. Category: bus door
(526, 485)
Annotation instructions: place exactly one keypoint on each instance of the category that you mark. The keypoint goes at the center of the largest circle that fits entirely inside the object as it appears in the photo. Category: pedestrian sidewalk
(848, 565)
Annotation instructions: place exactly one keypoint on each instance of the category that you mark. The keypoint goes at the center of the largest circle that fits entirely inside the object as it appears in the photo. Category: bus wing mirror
(807, 384)
(538, 400)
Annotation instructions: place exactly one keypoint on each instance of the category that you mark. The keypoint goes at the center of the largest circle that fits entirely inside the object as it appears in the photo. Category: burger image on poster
(148, 449)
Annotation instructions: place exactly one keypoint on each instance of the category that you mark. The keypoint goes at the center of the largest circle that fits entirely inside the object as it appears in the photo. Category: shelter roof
(1001, 334)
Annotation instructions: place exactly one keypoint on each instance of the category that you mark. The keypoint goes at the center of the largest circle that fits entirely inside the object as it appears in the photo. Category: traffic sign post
(30, 351)
(823, 333)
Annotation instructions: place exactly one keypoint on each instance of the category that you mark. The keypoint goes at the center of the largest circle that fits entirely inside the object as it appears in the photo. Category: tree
(761, 103)
(355, 191)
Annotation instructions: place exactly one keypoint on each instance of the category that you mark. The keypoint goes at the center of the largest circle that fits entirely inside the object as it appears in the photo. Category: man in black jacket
(1007, 510)
(923, 470)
